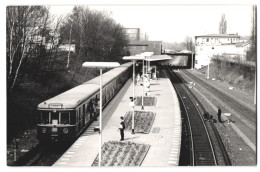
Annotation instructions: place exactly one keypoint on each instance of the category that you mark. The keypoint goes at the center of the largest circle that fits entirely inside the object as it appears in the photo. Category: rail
(202, 146)
(241, 109)
(212, 127)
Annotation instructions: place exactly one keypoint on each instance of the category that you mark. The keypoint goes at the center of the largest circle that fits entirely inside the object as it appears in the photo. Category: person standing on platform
(122, 128)
(157, 74)
(219, 115)
(138, 77)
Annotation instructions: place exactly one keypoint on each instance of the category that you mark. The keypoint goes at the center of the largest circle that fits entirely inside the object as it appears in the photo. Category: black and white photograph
(129, 84)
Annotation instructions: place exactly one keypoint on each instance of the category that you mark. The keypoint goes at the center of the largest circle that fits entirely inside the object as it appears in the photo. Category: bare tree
(254, 32)
(251, 54)
(29, 32)
(68, 61)
(23, 26)
(96, 35)
(188, 42)
(223, 25)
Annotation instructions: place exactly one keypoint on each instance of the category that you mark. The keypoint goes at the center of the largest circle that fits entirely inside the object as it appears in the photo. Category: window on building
(207, 40)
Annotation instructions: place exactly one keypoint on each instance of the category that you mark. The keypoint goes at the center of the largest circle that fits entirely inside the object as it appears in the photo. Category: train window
(104, 96)
(44, 117)
(73, 117)
(65, 116)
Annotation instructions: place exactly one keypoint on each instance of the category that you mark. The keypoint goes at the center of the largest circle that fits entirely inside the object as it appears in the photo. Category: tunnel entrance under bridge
(181, 60)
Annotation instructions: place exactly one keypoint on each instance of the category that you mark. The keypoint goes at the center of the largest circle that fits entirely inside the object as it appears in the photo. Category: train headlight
(65, 130)
(43, 130)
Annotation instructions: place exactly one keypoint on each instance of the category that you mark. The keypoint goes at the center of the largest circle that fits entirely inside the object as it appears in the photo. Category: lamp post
(100, 66)
(133, 58)
(208, 68)
(255, 89)
(146, 54)
(191, 60)
(143, 88)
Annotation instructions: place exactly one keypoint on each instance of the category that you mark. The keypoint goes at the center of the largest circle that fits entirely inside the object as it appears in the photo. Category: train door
(81, 122)
(104, 96)
(77, 120)
(110, 90)
(88, 111)
(107, 93)
(85, 113)
(113, 87)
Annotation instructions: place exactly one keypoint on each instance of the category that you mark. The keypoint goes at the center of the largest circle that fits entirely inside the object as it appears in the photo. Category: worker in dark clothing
(219, 115)
(122, 128)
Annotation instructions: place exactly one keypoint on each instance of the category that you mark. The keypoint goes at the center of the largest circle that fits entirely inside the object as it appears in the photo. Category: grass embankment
(235, 75)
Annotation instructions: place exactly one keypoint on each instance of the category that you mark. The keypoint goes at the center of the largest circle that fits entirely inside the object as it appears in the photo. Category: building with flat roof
(229, 45)
(137, 47)
(135, 34)
(216, 39)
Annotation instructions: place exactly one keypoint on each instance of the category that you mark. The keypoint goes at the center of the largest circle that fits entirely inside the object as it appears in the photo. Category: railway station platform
(164, 137)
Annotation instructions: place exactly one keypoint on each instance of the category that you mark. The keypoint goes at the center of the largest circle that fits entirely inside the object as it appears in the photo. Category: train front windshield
(56, 118)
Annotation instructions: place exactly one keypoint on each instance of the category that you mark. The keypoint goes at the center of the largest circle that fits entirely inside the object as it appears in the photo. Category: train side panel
(54, 130)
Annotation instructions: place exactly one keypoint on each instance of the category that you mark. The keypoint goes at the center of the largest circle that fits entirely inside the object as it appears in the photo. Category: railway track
(42, 155)
(238, 107)
(47, 156)
(200, 148)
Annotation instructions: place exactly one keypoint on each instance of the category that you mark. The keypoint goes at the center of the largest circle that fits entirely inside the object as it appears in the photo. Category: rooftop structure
(229, 45)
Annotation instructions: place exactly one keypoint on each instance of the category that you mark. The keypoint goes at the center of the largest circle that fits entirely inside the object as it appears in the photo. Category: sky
(172, 23)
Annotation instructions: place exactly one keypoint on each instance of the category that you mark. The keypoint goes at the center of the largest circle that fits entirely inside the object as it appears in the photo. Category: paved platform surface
(164, 137)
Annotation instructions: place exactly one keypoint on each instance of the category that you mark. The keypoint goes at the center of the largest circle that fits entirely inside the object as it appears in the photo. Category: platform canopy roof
(158, 58)
(101, 65)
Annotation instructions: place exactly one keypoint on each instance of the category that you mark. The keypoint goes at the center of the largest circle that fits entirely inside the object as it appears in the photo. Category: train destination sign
(55, 105)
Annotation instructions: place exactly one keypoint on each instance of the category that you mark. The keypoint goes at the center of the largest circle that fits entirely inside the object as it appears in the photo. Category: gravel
(240, 154)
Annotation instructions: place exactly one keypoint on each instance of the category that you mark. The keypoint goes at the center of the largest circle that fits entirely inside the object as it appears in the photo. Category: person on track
(219, 115)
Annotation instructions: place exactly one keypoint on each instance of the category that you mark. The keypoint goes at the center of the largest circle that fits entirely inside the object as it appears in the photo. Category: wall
(137, 47)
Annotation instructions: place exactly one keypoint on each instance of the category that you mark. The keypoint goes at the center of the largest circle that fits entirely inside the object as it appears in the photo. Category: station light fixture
(134, 59)
(100, 66)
